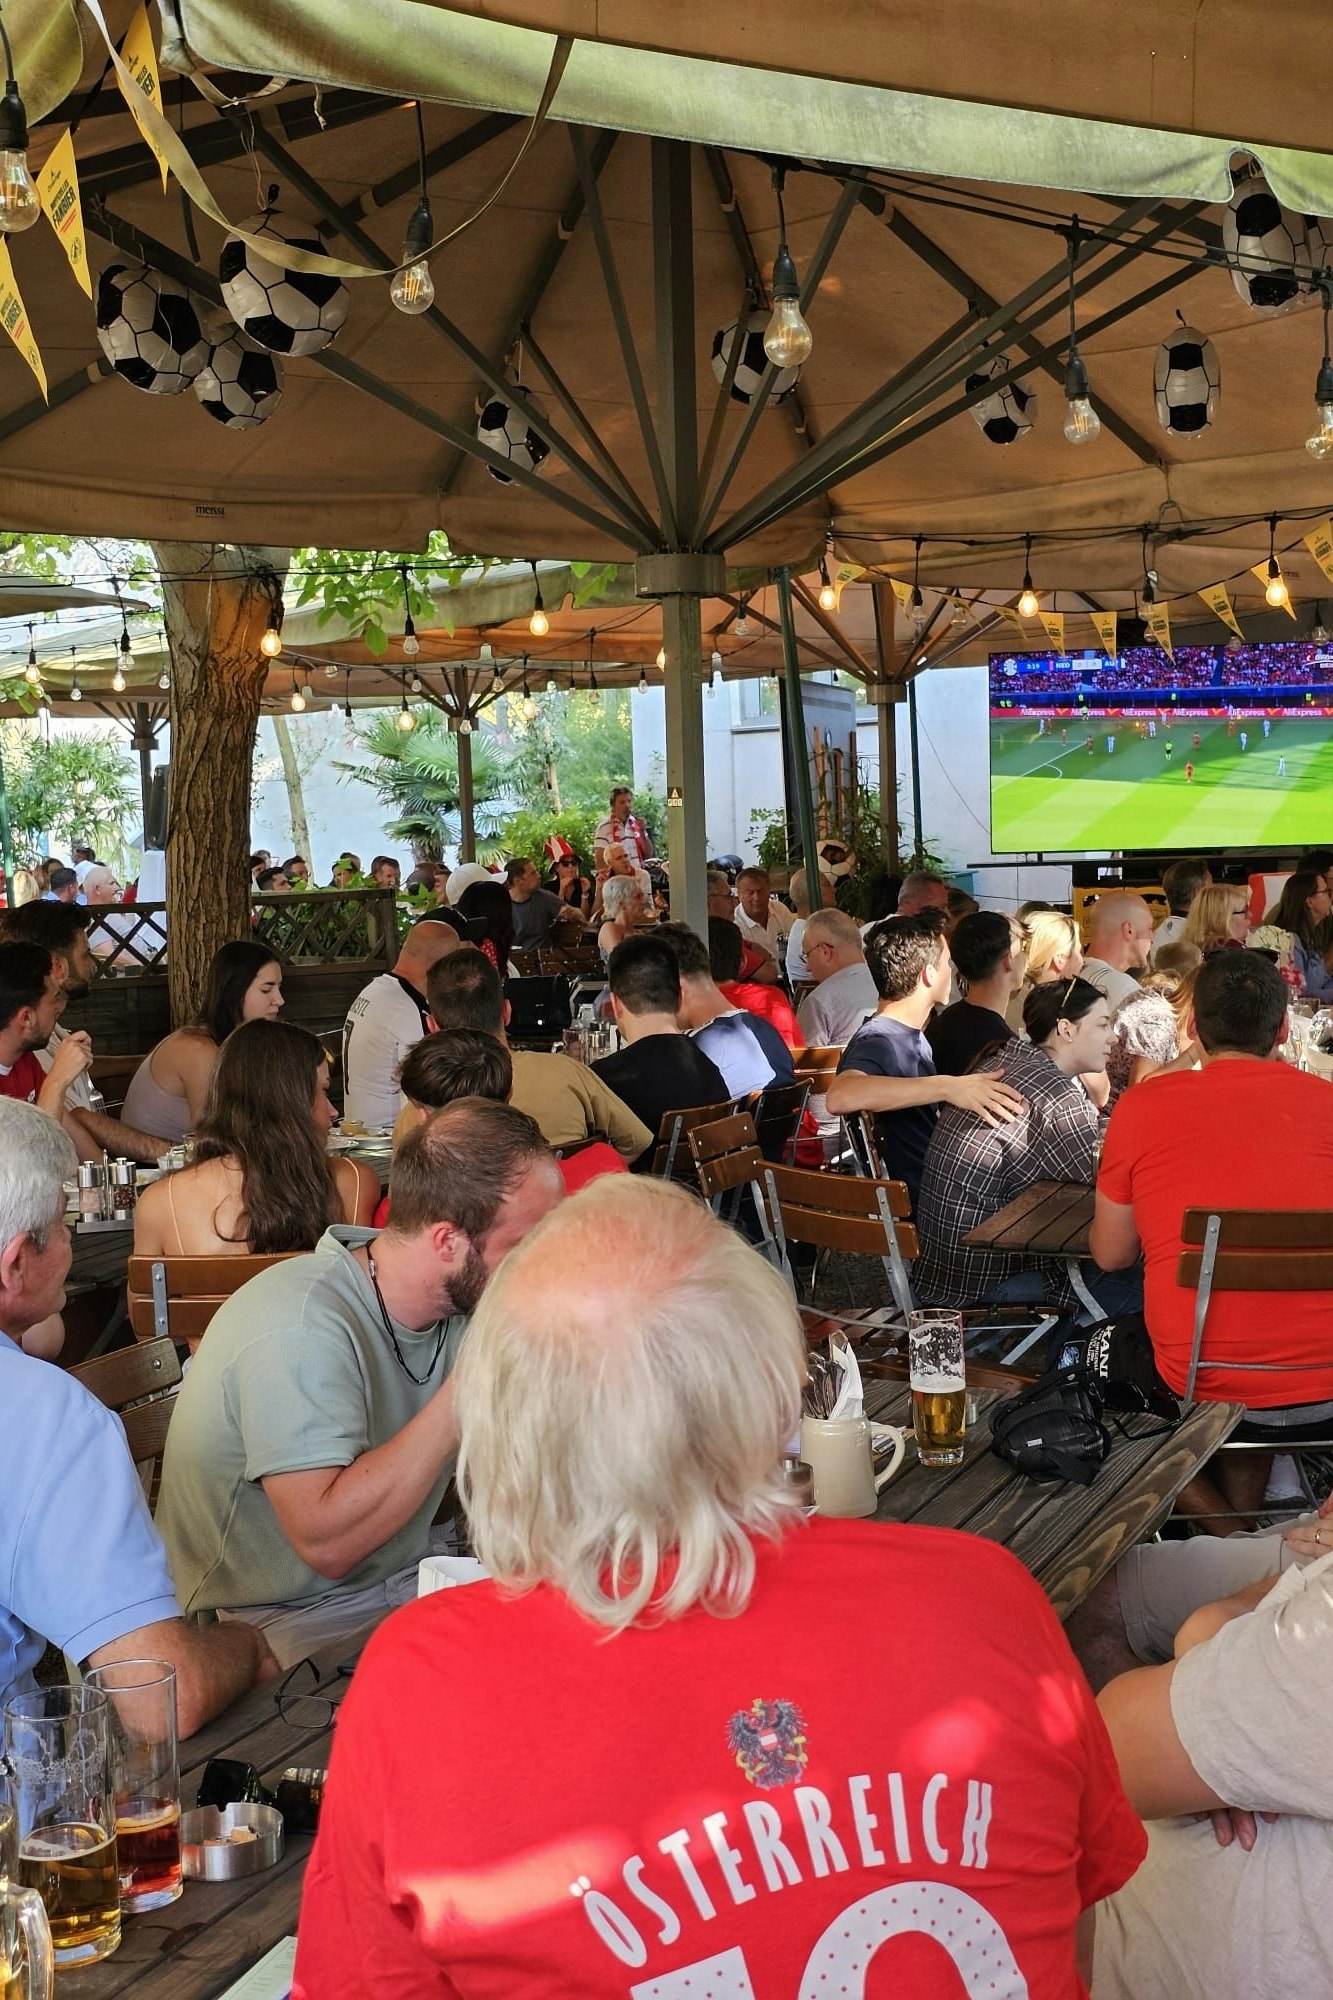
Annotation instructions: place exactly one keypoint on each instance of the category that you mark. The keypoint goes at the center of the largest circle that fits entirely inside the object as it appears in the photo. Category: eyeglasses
(297, 1701)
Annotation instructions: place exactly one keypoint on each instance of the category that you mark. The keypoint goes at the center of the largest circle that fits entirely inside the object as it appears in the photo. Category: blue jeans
(1115, 1291)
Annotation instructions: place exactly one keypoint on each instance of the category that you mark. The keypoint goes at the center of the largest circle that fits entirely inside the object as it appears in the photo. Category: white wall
(341, 811)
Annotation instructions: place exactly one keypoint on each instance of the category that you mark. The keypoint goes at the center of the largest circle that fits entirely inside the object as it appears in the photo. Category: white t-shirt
(79, 1094)
(771, 936)
(1199, 1921)
(1167, 932)
(1108, 979)
(383, 1022)
(797, 969)
(839, 1005)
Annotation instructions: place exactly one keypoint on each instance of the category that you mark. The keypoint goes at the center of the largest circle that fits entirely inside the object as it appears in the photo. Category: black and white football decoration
(507, 431)
(1318, 244)
(1265, 245)
(1186, 381)
(287, 311)
(752, 363)
(239, 386)
(1010, 412)
(149, 329)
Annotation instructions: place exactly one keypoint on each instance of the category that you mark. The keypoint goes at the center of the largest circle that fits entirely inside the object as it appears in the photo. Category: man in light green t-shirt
(314, 1434)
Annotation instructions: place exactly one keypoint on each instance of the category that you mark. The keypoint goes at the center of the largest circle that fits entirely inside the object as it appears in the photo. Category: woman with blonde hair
(1053, 952)
(1219, 918)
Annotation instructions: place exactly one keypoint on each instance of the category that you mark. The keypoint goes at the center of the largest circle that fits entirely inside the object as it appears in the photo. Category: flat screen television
(1212, 749)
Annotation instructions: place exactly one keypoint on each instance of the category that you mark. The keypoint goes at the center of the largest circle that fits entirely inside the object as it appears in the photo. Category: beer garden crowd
(788, 1729)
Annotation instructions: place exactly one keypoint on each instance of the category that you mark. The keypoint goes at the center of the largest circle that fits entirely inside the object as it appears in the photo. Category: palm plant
(415, 774)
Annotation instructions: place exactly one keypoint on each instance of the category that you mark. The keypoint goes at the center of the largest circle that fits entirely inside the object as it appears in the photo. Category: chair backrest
(140, 1383)
(853, 1213)
(727, 1160)
(561, 960)
(1252, 1250)
(671, 1155)
(815, 1066)
(777, 1112)
(862, 1147)
(178, 1296)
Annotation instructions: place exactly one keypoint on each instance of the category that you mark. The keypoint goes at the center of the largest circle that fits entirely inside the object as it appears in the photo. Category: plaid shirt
(974, 1169)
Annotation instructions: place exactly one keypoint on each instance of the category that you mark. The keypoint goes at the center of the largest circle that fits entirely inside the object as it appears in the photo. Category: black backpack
(1053, 1430)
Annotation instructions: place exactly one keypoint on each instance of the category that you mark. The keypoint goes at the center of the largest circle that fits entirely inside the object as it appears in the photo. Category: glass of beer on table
(142, 1699)
(62, 1778)
(939, 1386)
(26, 1971)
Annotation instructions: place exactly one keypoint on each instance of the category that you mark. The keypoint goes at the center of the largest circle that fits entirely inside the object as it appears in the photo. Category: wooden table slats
(1049, 1219)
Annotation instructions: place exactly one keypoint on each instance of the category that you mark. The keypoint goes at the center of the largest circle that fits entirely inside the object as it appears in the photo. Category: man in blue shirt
(887, 1067)
(81, 1564)
(748, 1050)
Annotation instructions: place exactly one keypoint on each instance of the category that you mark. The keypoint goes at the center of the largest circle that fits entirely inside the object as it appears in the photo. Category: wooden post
(217, 599)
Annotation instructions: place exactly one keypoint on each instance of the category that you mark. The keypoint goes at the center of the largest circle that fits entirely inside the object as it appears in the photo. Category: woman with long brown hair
(169, 1090)
(261, 1180)
(1303, 908)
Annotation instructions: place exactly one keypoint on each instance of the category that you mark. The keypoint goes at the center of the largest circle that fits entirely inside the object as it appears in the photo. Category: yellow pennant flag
(1319, 542)
(902, 591)
(1261, 571)
(1105, 622)
(1158, 621)
(847, 573)
(1218, 599)
(14, 319)
(138, 66)
(58, 192)
(1054, 623)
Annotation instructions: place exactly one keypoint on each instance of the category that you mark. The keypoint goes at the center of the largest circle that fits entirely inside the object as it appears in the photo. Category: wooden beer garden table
(1049, 1219)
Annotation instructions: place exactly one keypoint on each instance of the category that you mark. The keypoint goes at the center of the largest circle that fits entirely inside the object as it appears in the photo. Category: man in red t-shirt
(725, 946)
(1244, 1131)
(765, 1757)
(30, 1000)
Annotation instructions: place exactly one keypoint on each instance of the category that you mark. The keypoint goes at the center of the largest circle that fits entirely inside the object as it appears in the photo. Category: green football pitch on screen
(1053, 789)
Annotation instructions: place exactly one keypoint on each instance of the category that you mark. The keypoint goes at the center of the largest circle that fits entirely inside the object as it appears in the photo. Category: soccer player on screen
(1244, 739)
(1169, 746)
(1090, 746)
(1189, 774)
(1267, 726)
(1110, 746)
(1282, 767)
(1196, 739)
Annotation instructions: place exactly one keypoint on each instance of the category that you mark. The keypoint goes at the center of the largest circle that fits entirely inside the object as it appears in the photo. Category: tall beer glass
(58, 1746)
(142, 1698)
(939, 1386)
(26, 1971)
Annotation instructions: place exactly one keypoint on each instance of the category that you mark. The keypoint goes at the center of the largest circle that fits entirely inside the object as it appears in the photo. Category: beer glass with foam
(939, 1386)
(62, 1777)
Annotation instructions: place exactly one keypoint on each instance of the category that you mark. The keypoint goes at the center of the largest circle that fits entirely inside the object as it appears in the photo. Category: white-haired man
(683, 1805)
(845, 991)
(80, 1561)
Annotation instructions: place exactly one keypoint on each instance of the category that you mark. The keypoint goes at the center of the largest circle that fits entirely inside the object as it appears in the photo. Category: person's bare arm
(94, 1133)
(1097, 1084)
(70, 1061)
(1114, 1241)
(336, 1516)
(1159, 1779)
(214, 1663)
(983, 1092)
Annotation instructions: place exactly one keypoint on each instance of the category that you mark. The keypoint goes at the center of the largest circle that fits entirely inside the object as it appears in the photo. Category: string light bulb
(1027, 603)
(118, 681)
(270, 644)
(497, 682)
(75, 691)
(917, 604)
(412, 289)
(550, 685)
(1275, 590)
(828, 596)
(164, 678)
(19, 206)
(407, 722)
(411, 643)
(32, 673)
(539, 624)
(1319, 444)
(643, 680)
(415, 684)
(743, 620)
(715, 659)
(787, 338)
(465, 725)
(298, 698)
(1081, 424)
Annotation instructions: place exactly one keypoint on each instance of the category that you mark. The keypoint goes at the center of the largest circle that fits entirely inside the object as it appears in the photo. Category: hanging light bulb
(32, 673)
(298, 698)
(787, 338)
(1027, 603)
(643, 680)
(497, 682)
(465, 725)
(1275, 590)
(118, 681)
(270, 644)
(19, 206)
(1319, 444)
(743, 622)
(539, 624)
(75, 691)
(828, 596)
(164, 678)
(715, 659)
(331, 670)
(1081, 424)
(347, 694)
(412, 288)
(917, 604)
(407, 722)
(1319, 631)
(661, 658)
(415, 684)
(411, 643)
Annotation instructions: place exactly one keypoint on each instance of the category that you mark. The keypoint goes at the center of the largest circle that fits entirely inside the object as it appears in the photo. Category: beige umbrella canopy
(930, 240)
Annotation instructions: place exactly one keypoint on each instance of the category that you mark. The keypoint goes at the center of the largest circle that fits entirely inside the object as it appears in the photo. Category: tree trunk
(216, 605)
(291, 772)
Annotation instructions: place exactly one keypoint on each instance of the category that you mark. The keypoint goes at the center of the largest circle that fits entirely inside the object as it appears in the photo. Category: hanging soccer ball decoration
(507, 431)
(239, 386)
(1186, 381)
(1010, 412)
(287, 311)
(752, 363)
(149, 329)
(1265, 246)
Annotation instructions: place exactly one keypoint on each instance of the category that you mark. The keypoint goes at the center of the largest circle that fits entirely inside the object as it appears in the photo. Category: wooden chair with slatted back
(569, 961)
(777, 1112)
(140, 1384)
(1254, 1250)
(850, 1212)
(727, 1162)
(526, 963)
(176, 1297)
(815, 1065)
(671, 1156)
(860, 1145)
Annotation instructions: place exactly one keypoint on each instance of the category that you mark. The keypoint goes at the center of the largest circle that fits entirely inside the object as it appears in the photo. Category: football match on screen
(1216, 747)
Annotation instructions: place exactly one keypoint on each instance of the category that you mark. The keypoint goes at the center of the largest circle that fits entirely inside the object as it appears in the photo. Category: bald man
(1119, 942)
(388, 1018)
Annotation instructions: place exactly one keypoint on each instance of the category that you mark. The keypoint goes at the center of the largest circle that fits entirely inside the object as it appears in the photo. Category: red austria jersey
(887, 1780)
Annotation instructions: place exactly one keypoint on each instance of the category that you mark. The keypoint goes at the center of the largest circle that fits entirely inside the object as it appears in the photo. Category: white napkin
(850, 1400)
